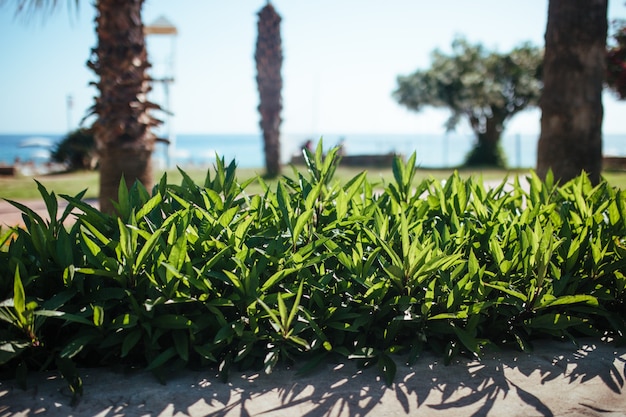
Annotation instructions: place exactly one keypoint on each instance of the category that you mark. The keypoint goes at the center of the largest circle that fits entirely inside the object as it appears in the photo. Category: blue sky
(341, 60)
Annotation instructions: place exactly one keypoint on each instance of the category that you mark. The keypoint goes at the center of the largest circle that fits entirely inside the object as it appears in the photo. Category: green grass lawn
(25, 188)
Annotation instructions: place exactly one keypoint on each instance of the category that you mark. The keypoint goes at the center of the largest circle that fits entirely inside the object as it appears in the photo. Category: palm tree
(269, 59)
(123, 134)
(122, 131)
(573, 76)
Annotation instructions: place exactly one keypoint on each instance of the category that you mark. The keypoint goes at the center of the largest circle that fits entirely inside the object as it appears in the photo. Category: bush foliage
(196, 275)
(77, 150)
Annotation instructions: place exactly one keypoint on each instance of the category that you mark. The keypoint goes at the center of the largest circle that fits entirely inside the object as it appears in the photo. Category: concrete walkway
(556, 380)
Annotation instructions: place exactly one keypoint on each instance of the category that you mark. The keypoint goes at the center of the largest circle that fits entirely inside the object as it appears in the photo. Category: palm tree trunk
(571, 103)
(123, 128)
(269, 59)
(487, 151)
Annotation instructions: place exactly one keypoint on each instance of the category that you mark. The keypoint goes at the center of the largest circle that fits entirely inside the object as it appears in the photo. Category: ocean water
(433, 151)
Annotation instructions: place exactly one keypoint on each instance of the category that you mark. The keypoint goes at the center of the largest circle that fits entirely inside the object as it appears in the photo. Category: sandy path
(11, 216)
(556, 380)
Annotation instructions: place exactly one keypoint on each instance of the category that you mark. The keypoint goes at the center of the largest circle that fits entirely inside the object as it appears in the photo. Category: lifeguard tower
(161, 38)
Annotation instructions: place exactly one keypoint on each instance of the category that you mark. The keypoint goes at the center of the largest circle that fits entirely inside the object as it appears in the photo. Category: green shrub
(77, 150)
(207, 275)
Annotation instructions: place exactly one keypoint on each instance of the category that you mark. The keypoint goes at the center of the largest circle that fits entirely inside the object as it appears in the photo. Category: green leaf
(147, 248)
(64, 248)
(147, 208)
(396, 273)
(341, 205)
(271, 359)
(181, 343)
(282, 311)
(580, 200)
(277, 277)
(70, 374)
(388, 368)
(5, 237)
(467, 339)
(363, 353)
(28, 212)
(299, 341)
(296, 304)
(235, 281)
(51, 202)
(125, 244)
(303, 219)
(11, 349)
(450, 351)
(125, 321)
(242, 230)
(429, 297)
(522, 342)
(226, 219)
(99, 272)
(284, 206)
(448, 316)
(74, 318)
(472, 265)
(19, 297)
(123, 202)
(614, 214)
(572, 299)
(395, 258)
(178, 251)
(223, 334)
(205, 352)
(554, 322)
(162, 359)
(130, 341)
(98, 316)
(573, 251)
(76, 345)
(271, 313)
(496, 252)
(501, 287)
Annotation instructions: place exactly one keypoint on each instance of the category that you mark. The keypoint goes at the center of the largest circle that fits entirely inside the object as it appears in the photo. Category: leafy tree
(616, 61)
(486, 88)
(571, 104)
(269, 59)
(77, 150)
(122, 130)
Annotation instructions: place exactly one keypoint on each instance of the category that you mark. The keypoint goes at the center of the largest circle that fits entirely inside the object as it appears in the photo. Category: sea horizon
(437, 150)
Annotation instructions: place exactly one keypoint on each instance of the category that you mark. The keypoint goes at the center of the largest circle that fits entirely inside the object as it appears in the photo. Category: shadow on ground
(557, 379)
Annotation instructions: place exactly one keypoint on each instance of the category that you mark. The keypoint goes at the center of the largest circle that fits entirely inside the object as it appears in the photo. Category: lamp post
(162, 27)
(70, 106)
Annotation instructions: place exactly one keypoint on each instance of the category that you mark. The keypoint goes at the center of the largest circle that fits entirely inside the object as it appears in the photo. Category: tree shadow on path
(556, 379)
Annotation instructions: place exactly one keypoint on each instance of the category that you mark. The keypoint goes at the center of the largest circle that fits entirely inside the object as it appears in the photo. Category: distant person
(308, 145)
(341, 145)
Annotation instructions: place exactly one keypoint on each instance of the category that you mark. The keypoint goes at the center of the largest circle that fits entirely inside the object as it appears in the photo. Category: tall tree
(269, 60)
(122, 130)
(616, 61)
(486, 88)
(123, 134)
(571, 103)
